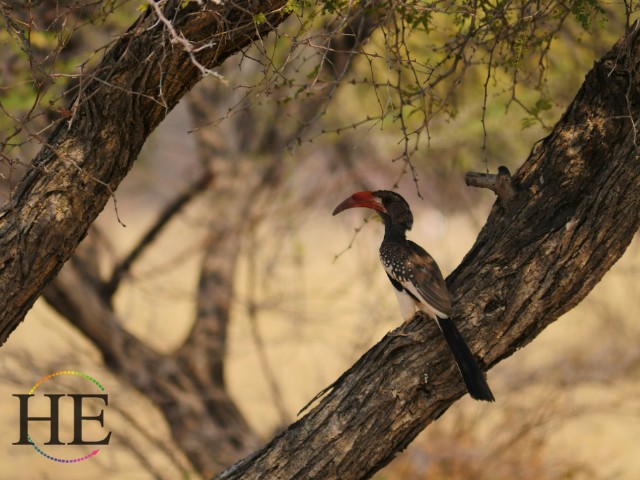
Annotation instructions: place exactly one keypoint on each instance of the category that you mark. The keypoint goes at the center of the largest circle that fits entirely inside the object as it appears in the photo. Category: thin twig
(169, 212)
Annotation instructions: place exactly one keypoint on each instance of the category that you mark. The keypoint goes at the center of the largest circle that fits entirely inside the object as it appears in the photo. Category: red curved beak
(361, 199)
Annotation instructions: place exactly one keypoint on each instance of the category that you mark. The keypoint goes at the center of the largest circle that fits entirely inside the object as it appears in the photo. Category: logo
(80, 403)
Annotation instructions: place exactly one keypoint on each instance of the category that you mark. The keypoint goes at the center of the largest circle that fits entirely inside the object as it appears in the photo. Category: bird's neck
(395, 233)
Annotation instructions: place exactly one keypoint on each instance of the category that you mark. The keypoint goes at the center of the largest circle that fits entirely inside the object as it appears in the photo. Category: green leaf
(585, 11)
(259, 18)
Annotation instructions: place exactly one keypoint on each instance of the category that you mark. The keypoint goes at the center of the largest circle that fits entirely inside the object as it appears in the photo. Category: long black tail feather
(471, 373)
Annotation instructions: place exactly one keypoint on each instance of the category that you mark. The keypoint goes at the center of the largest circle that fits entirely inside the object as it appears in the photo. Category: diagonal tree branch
(574, 212)
(140, 80)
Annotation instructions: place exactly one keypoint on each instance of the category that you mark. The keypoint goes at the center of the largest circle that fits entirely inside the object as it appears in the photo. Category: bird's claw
(402, 332)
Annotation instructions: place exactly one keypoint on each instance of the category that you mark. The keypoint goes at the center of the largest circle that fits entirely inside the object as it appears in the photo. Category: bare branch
(501, 184)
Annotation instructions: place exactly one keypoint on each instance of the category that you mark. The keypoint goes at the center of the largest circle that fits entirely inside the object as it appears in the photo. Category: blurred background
(229, 294)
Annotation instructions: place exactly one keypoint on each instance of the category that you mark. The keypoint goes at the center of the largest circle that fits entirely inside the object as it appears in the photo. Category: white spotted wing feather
(420, 278)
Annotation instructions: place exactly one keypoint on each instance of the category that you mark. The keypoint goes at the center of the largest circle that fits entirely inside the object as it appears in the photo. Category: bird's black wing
(428, 280)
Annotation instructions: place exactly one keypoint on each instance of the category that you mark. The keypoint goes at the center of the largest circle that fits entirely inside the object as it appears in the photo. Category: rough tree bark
(574, 212)
(141, 78)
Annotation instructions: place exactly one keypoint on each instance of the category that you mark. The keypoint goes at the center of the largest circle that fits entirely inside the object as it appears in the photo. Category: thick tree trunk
(140, 80)
(575, 210)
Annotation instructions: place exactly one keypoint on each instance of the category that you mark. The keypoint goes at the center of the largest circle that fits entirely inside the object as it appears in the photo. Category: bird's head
(393, 209)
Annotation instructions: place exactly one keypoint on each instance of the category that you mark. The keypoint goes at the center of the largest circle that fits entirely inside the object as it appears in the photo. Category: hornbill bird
(417, 280)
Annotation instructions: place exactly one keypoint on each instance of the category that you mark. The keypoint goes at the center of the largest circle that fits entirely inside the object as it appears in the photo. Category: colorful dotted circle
(33, 389)
(61, 460)
(66, 372)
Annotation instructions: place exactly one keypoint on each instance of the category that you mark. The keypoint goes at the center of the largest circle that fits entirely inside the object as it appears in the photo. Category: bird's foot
(402, 332)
